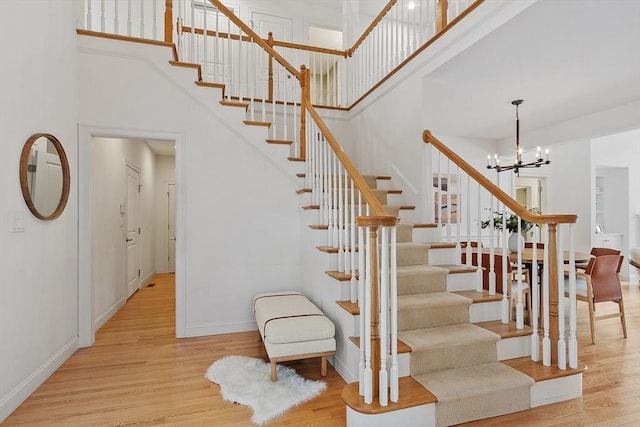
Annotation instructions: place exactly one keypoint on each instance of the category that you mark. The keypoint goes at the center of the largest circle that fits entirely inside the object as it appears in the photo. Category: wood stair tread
(296, 159)
(196, 67)
(256, 123)
(478, 297)
(281, 142)
(339, 275)
(539, 372)
(239, 104)
(458, 268)
(402, 347)
(425, 225)
(412, 394)
(210, 84)
(350, 307)
(508, 330)
(331, 249)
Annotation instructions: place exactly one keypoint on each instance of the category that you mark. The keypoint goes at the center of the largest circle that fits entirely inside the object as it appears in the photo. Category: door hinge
(31, 168)
(138, 272)
(138, 230)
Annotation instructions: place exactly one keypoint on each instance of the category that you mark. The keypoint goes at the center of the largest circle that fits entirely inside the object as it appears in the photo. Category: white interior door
(171, 193)
(132, 216)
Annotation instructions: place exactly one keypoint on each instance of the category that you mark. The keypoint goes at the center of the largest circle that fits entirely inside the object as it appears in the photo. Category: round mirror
(44, 176)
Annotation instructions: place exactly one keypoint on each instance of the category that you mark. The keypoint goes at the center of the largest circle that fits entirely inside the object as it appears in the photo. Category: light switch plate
(17, 223)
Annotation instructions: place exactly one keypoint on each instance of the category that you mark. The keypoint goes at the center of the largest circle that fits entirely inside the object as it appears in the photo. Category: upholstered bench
(293, 328)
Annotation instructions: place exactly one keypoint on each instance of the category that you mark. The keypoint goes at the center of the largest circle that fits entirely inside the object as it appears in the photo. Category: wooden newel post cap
(376, 221)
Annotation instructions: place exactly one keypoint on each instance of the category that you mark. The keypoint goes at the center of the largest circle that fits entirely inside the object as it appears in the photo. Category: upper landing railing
(338, 78)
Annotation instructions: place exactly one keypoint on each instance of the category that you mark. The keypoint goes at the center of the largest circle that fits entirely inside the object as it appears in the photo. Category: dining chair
(600, 282)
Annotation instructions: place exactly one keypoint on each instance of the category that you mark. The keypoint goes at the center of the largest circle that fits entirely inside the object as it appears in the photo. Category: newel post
(441, 14)
(270, 43)
(168, 21)
(553, 292)
(305, 86)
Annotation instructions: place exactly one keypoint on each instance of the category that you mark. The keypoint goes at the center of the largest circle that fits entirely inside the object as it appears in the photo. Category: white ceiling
(566, 59)
(162, 147)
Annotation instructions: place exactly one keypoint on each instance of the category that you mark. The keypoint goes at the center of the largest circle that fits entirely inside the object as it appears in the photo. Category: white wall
(39, 287)
(622, 150)
(238, 214)
(165, 174)
(110, 157)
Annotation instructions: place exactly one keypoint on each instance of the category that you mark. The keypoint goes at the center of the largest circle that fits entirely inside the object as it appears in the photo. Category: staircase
(454, 368)
(469, 364)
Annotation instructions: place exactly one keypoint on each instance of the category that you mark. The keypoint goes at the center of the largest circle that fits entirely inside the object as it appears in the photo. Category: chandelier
(494, 163)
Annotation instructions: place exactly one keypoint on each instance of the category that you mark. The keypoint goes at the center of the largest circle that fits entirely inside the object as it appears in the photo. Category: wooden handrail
(369, 197)
(308, 48)
(371, 26)
(496, 191)
(256, 38)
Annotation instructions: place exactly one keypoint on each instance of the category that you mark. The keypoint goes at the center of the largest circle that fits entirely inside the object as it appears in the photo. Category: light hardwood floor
(137, 373)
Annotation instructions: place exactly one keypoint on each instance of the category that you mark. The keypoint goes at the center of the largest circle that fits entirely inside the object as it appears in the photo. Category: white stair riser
(511, 348)
(417, 416)
(462, 281)
(442, 256)
(485, 311)
(556, 390)
(426, 235)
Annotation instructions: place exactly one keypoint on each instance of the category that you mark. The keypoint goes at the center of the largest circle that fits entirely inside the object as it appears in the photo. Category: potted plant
(515, 240)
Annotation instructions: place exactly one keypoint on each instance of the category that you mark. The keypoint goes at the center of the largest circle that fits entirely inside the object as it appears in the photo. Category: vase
(515, 242)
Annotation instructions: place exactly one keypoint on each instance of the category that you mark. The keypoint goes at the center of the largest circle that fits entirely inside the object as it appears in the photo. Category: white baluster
(155, 20)
(393, 302)
(479, 274)
(89, 24)
(141, 19)
(562, 343)
(103, 18)
(546, 341)
(115, 18)
(361, 305)
(573, 342)
(129, 21)
(368, 374)
(383, 397)
(205, 44)
(352, 229)
(340, 220)
(520, 304)
(534, 310)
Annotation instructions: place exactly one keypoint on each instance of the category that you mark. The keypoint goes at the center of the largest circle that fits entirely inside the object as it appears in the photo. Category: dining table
(581, 258)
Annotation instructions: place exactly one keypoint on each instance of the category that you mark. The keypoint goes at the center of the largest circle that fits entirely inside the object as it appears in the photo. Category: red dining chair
(600, 282)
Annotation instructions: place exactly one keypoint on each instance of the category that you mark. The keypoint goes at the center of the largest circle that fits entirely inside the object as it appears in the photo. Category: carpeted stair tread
(477, 392)
(416, 279)
(432, 309)
(409, 253)
(404, 233)
(449, 347)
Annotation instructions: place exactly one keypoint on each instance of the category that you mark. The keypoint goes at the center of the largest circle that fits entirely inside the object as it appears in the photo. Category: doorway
(131, 211)
(531, 193)
(171, 227)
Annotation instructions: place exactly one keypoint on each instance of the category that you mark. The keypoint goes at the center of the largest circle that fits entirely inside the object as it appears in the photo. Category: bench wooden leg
(274, 374)
(323, 366)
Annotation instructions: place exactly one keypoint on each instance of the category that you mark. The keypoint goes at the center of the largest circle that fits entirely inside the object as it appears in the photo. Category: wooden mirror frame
(24, 184)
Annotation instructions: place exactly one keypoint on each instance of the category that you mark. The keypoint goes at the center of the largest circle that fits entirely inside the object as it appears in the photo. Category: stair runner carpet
(454, 359)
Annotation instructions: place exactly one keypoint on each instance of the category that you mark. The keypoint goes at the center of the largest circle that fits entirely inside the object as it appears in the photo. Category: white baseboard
(343, 370)
(22, 391)
(106, 315)
(219, 328)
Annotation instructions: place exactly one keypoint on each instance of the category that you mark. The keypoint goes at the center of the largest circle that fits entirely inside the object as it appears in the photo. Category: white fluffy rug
(247, 381)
